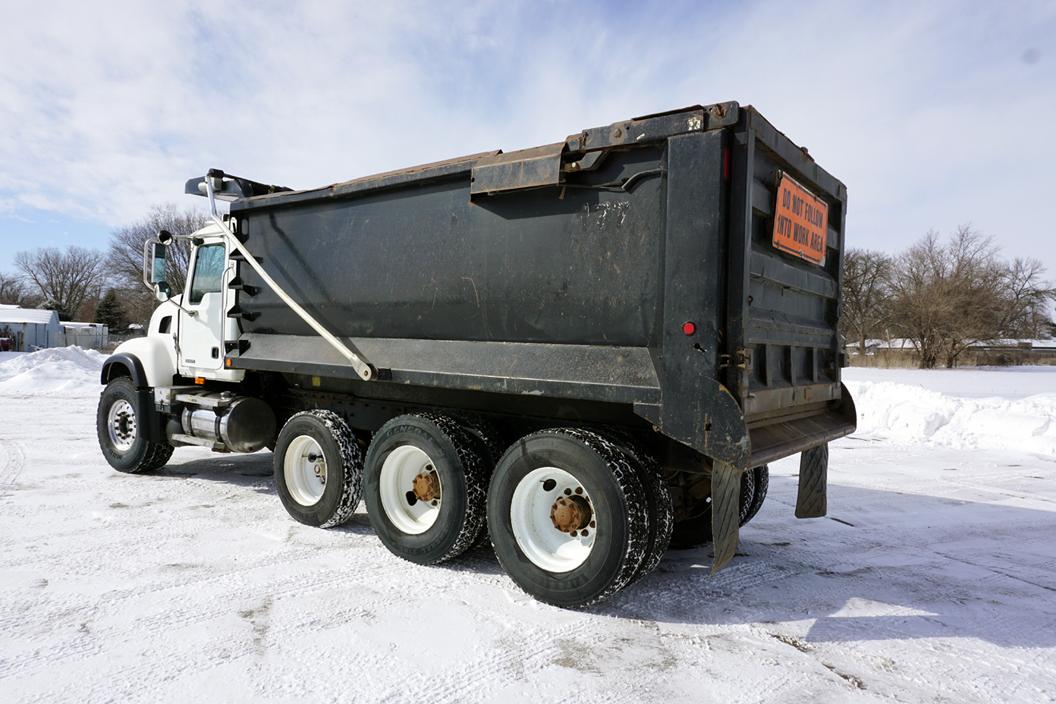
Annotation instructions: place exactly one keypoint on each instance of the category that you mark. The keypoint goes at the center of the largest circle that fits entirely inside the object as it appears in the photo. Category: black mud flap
(725, 512)
(812, 501)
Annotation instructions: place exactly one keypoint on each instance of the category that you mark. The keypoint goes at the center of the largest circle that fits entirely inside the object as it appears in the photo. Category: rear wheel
(490, 444)
(568, 516)
(658, 500)
(120, 430)
(696, 531)
(318, 468)
(762, 483)
(425, 484)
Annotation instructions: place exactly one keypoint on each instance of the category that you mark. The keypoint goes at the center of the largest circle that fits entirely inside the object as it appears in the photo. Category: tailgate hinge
(741, 358)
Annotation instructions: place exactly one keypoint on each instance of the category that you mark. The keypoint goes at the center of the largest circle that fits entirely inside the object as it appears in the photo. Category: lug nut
(573, 534)
(583, 533)
(592, 524)
(568, 492)
(579, 490)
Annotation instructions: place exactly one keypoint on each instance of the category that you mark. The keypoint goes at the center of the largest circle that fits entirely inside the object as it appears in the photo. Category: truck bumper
(774, 441)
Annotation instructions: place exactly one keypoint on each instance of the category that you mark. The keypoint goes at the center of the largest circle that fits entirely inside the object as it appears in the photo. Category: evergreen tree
(110, 313)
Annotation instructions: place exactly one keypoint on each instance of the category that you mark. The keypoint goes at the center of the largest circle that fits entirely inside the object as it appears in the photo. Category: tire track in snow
(12, 462)
(193, 613)
(533, 654)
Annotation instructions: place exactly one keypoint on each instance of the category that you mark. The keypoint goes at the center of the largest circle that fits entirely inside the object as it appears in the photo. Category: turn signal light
(200, 380)
(689, 328)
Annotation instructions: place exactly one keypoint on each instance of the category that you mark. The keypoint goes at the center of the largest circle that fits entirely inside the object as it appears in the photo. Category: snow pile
(58, 370)
(910, 414)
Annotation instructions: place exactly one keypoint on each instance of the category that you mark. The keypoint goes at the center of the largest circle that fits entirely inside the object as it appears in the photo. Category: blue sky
(934, 114)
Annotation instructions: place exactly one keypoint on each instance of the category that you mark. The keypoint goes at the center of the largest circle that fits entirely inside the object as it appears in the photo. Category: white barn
(28, 329)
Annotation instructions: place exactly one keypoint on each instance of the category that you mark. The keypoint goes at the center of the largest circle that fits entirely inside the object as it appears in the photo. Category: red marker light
(689, 327)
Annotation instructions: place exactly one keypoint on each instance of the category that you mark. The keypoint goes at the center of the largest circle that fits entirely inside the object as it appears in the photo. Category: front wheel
(120, 426)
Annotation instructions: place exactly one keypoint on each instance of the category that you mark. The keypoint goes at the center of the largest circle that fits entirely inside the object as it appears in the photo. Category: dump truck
(582, 353)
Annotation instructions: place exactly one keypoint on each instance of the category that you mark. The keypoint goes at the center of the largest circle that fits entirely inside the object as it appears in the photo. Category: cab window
(208, 271)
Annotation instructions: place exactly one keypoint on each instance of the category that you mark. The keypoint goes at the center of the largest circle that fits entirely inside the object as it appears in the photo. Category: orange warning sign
(801, 221)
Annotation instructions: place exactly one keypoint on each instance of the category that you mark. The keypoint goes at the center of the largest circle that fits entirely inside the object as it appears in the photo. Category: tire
(117, 425)
(658, 500)
(696, 531)
(445, 518)
(487, 436)
(520, 493)
(491, 448)
(318, 440)
(762, 483)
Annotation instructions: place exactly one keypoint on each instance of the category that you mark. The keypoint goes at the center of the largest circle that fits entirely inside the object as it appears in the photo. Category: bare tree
(1025, 299)
(65, 279)
(126, 255)
(12, 290)
(866, 290)
(917, 298)
(973, 278)
(945, 297)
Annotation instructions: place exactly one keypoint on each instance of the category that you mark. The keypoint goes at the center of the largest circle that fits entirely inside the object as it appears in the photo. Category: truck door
(202, 323)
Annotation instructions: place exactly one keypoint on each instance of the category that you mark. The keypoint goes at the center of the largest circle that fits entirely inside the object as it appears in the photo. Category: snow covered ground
(933, 579)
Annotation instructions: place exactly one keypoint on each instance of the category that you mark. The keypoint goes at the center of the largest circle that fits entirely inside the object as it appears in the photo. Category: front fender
(149, 361)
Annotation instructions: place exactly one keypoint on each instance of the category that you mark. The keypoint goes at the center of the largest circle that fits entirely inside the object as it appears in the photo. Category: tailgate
(786, 243)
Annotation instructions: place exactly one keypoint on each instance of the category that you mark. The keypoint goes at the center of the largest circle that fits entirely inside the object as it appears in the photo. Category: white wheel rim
(304, 468)
(121, 425)
(530, 516)
(396, 487)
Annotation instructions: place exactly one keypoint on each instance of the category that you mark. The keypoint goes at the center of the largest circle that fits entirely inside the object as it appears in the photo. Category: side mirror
(155, 261)
(162, 291)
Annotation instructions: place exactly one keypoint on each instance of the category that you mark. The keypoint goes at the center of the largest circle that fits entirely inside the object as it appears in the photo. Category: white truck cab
(187, 332)
(202, 326)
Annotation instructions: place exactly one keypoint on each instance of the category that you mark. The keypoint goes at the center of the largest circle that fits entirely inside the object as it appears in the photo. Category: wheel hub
(427, 485)
(121, 425)
(553, 519)
(410, 489)
(304, 469)
(571, 514)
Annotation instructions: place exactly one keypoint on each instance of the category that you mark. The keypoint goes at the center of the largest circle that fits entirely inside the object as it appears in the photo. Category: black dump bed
(630, 264)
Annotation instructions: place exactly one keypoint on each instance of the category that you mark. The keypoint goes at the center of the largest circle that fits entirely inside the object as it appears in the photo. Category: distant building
(898, 351)
(92, 336)
(28, 329)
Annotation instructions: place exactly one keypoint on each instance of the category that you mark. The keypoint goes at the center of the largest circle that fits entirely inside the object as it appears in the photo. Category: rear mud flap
(812, 501)
(725, 512)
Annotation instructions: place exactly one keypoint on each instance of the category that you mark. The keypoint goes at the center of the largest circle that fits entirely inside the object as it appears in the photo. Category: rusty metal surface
(650, 128)
(527, 168)
(570, 514)
(427, 486)
(533, 170)
(387, 179)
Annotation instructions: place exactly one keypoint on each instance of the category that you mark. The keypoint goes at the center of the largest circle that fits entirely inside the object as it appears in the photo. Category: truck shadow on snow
(884, 565)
